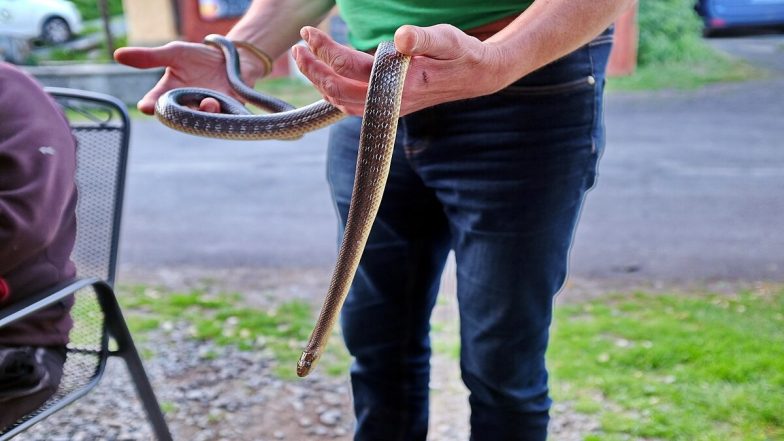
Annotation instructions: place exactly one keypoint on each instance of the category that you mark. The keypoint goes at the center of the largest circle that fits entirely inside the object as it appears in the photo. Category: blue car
(719, 15)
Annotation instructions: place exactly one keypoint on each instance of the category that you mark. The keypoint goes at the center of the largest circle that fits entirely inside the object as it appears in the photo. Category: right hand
(187, 65)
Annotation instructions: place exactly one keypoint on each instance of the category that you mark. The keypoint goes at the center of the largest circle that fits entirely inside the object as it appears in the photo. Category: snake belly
(377, 138)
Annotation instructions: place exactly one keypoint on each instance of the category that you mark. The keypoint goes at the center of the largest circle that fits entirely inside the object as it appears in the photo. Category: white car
(53, 21)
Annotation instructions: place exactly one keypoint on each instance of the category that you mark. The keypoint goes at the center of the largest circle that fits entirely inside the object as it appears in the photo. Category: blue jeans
(500, 180)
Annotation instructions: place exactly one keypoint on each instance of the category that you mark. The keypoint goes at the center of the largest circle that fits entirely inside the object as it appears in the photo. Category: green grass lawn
(225, 319)
(679, 366)
(686, 75)
(674, 366)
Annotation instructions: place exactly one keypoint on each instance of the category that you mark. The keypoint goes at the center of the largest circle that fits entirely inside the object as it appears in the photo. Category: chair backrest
(101, 126)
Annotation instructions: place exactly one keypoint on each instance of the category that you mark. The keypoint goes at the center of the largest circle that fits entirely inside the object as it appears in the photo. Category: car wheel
(55, 31)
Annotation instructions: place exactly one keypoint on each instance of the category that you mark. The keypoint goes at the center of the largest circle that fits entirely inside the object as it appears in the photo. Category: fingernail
(414, 45)
(304, 34)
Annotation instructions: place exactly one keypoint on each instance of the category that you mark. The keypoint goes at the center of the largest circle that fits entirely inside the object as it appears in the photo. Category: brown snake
(377, 138)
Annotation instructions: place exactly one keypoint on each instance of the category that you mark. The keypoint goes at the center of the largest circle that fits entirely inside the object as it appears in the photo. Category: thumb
(146, 57)
(439, 41)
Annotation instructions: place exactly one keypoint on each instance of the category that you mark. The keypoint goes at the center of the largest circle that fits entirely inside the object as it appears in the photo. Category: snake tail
(377, 140)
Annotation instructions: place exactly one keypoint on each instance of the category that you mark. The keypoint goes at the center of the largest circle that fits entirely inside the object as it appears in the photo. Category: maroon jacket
(37, 203)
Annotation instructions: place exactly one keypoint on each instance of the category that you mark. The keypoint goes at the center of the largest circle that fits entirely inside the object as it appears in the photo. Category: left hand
(446, 65)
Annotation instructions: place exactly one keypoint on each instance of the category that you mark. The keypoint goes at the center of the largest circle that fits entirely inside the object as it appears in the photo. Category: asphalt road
(691, 188)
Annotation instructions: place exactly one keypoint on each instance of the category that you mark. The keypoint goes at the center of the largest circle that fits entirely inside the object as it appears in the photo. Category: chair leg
(118, 330)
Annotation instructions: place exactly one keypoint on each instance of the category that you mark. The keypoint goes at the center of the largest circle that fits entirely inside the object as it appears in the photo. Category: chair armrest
(41, 300)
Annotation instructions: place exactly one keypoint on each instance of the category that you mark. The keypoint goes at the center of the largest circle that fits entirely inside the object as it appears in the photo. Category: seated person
(37, 233)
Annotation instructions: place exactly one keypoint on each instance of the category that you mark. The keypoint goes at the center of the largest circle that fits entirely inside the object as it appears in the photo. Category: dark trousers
(500, 180)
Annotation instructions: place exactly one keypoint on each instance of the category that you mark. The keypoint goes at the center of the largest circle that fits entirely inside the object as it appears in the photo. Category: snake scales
(377, 137)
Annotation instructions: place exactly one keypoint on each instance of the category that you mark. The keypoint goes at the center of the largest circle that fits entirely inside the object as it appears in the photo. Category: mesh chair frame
(100, 276)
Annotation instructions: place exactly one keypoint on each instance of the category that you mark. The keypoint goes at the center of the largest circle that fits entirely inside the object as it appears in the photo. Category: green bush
(90, 11)
(672, 53)
(670, 31)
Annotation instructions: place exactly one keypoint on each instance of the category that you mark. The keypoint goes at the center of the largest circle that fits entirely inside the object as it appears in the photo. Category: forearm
(274, 25)
(548, 30)
(448, 64)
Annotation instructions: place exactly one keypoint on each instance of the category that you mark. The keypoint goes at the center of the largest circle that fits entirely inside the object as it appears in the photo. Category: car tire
(55, 31)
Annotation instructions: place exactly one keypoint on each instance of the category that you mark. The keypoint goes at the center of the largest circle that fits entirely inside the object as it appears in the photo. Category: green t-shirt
(373, 21)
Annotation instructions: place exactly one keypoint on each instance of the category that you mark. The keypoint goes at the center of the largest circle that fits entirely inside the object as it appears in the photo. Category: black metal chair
(101, 126)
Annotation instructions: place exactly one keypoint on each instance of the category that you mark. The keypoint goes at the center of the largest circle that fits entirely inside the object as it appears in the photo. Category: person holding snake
(500, 133)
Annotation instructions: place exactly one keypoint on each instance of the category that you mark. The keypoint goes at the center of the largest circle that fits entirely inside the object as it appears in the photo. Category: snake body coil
(377, 137)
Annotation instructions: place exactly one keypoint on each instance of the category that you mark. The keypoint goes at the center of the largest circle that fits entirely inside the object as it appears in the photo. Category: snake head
(307, 361)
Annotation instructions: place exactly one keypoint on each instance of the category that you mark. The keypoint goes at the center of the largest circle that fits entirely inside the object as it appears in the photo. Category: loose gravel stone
(330, 417)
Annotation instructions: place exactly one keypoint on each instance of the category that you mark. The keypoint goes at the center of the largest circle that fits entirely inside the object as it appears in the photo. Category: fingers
(146, 105)
(447, 65)
(345, 93)
(210, 105)
(344, 61)
(147, 57)
(187, 64)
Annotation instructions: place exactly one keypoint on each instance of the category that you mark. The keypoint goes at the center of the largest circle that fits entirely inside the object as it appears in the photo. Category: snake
(177, 109)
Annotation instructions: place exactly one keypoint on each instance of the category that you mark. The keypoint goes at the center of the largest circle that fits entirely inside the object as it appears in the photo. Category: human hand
(447, 65)
(187, 65)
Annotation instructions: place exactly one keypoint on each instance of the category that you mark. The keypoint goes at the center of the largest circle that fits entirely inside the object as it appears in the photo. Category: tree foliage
(90, 10)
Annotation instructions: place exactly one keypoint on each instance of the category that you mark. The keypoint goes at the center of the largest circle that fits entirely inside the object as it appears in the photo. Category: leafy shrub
(670, 32)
